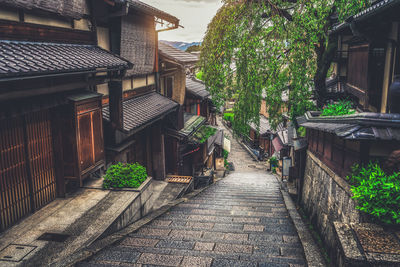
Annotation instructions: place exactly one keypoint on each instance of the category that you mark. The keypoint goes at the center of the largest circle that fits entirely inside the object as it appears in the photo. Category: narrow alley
(239, 221)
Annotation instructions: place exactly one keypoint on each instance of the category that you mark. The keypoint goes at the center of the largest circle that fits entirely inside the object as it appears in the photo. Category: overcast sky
(194, 16)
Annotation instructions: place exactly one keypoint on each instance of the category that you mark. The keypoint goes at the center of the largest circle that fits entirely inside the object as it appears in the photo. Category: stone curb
(98, 245)
(312, 253)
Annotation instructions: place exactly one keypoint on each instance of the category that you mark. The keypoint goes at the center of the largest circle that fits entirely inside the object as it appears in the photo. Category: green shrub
(200, 75)
(226, 154)
(273, 169)
(301, 132)
(125, 175)
(376, 193)
(204, 133)
(229, 116)
(343, 107)
(273, 161)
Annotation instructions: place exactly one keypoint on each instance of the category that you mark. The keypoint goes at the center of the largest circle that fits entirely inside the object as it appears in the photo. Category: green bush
(200, 75)
(343, 107)
(125, 175)
(273, 161)
(204, 133)
(226, 154)
(229, 116)
(376, 193)
(301, 132)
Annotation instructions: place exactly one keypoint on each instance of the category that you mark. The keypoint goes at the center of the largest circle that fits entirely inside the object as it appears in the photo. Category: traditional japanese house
(198, 100)
(136, 113)
(263, 138)
(368, 62)
(367, 58)
(173, 66)
(51, 129)
(190, 146)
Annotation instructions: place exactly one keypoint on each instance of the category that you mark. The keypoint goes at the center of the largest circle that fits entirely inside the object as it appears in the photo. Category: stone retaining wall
(138, 206)
(326, 198)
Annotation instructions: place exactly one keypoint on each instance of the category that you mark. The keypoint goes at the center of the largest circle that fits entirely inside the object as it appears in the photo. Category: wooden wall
(338, 154)
(27, 172)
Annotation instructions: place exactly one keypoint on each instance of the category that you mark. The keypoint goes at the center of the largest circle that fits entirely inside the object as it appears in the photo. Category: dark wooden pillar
(116, 110)
(158, 152)
(56, 124)
(148, 151)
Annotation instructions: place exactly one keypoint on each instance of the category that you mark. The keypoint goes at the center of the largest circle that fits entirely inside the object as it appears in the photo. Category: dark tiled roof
(378, 8)
(265, 127)
(196, 88)
(176, 54)
(366, 126)
(142, 110)
(147, 9)
(68, 8)
(30, 58)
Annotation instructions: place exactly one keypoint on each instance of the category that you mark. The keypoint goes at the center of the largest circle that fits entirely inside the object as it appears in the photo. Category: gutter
(52, 75)
(363, 119)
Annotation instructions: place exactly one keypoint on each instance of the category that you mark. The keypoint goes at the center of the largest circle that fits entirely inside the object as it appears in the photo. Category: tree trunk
(324, 61)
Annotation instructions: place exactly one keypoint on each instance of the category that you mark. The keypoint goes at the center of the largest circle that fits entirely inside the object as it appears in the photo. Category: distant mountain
(181, 45)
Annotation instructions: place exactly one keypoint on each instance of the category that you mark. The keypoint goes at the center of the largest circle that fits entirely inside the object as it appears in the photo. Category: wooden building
(136, 114)
(51, 133)
(262, 139)
(366, 63)
(367, 59)
(186, 153)
(198, 100)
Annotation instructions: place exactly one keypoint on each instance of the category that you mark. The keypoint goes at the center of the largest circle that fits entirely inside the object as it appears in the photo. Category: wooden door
(15, 200)
(27, 174)
(41, 158)
(85, 141)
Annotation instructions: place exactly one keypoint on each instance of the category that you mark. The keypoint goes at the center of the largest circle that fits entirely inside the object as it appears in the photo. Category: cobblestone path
(239, 221)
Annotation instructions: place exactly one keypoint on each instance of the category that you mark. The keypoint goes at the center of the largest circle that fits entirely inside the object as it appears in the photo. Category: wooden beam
(11, 30)
(42, 91)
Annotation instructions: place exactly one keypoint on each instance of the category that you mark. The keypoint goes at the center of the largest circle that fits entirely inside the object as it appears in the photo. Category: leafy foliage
(301, 132)
(376, 193)
(226, 154)
(267, 47)
(229, 117)
(343, 107)
(193, 48)
(200, 75)
(204, 133)
(122, 175)
(273, 161)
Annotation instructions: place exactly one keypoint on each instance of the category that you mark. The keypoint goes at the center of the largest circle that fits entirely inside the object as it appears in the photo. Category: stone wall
(326, 198)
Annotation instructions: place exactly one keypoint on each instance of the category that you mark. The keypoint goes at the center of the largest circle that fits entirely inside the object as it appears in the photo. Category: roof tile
(196, 88)
(33, 58)
(176, 54)
(143, 109)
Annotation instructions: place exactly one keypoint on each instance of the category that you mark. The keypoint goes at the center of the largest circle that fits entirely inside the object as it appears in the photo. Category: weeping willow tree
(270, 47)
